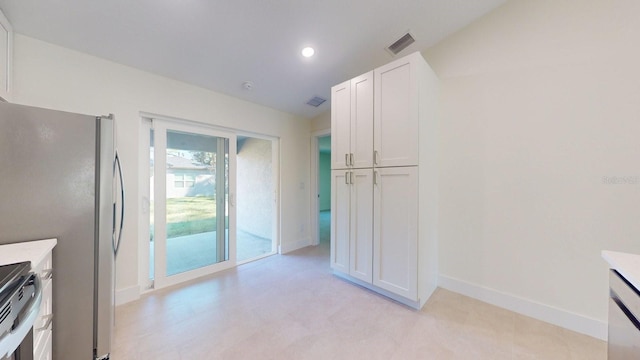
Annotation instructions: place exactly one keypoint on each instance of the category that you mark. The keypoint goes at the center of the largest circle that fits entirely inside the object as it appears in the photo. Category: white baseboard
(289, 247)
(128, 294)
(546, 313)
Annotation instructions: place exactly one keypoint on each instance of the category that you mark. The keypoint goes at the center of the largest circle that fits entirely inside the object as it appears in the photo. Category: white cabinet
(352, 123)
(6, 55)
(351, 216)
(397, 111)
(351, 222)
(395, 234)
(384, 182)
(43, 327)
(361, 231)
(341, 125)
(340, 220)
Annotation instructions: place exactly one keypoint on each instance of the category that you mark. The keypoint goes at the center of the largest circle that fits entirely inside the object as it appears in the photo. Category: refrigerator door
(104, 295)
(48, 171)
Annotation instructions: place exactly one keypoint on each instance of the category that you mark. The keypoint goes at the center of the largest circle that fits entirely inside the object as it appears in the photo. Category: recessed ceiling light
(308, 52)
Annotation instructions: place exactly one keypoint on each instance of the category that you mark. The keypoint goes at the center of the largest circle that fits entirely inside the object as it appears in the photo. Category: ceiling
(219, 45)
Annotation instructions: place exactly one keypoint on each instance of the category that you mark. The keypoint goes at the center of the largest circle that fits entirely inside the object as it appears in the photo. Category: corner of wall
(296, 245)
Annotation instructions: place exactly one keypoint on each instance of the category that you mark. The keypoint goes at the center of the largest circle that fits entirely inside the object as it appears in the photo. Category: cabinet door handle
(346, 178)
(346, 159)
(351, 178)
(375, 157)
(351, 159)
(375, 178)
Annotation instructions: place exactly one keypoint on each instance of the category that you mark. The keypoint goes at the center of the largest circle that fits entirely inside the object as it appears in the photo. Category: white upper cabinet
(362, 121)
(340, 125)
(352, 123)
(6, 55)
(375, 119)
(397, 111)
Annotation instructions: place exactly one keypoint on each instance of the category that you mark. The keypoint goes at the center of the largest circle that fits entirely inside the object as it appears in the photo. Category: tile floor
(292, 307)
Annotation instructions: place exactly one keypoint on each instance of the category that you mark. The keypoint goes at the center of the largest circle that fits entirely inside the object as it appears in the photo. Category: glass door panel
(192, 202)
(196, 201)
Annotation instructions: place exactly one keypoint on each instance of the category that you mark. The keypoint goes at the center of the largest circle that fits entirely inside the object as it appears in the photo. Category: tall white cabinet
(384, 180)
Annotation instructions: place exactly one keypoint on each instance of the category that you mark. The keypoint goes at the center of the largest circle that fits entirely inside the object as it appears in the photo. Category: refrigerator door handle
(116, 239)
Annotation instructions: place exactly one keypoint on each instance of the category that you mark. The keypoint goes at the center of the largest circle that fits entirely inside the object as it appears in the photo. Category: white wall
(540, 102)
(49, 76)
(322, 121)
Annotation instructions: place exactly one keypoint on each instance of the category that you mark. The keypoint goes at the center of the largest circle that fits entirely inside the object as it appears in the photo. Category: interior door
(193, 202)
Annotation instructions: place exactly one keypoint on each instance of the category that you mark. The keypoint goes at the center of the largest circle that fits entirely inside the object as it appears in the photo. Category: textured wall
(255, 187)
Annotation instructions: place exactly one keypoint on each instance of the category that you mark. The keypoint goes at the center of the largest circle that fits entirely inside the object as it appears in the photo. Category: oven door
(18, 343)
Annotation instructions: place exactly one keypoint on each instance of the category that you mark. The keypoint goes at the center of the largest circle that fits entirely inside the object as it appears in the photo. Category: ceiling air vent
(316, 101)
(401, 44)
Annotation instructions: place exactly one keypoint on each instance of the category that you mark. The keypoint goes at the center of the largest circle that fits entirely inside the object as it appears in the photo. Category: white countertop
(628, 265)
(33, 251)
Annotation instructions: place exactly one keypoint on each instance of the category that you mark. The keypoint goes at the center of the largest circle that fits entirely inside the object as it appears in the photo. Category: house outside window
(184, 180)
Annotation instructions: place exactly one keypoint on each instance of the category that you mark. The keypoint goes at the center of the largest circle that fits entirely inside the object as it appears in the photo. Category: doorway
(321, 187)
(197, 216)
(256, 200)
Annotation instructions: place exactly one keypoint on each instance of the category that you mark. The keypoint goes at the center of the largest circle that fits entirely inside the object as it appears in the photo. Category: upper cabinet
(376, 117)
(6, 55)
(341, 125)
(397, 111)
(352, 123)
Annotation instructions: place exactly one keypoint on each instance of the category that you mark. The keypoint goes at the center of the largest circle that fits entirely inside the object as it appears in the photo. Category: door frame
(145, 285)
(315, 188)
(162, 280)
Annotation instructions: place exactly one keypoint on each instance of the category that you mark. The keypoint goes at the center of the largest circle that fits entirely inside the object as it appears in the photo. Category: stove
(20, 298)
(10, 274)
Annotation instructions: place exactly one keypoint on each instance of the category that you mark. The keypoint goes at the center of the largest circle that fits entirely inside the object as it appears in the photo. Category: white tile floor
(292, 307)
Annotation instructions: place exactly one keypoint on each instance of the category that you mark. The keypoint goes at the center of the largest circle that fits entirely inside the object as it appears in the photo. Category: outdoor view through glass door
(192, 200)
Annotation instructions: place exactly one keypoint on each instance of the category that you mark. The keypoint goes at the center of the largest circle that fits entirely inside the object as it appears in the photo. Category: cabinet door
(361, 244)
(396, 113)
(395, 234)
(340, 209)
(362, 120)
(340, 125)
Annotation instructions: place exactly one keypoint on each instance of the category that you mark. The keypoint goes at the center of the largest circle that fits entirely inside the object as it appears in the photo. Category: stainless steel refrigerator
(59, 179)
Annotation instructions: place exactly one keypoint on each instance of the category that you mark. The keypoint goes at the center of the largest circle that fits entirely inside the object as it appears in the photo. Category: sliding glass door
(193, 187)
